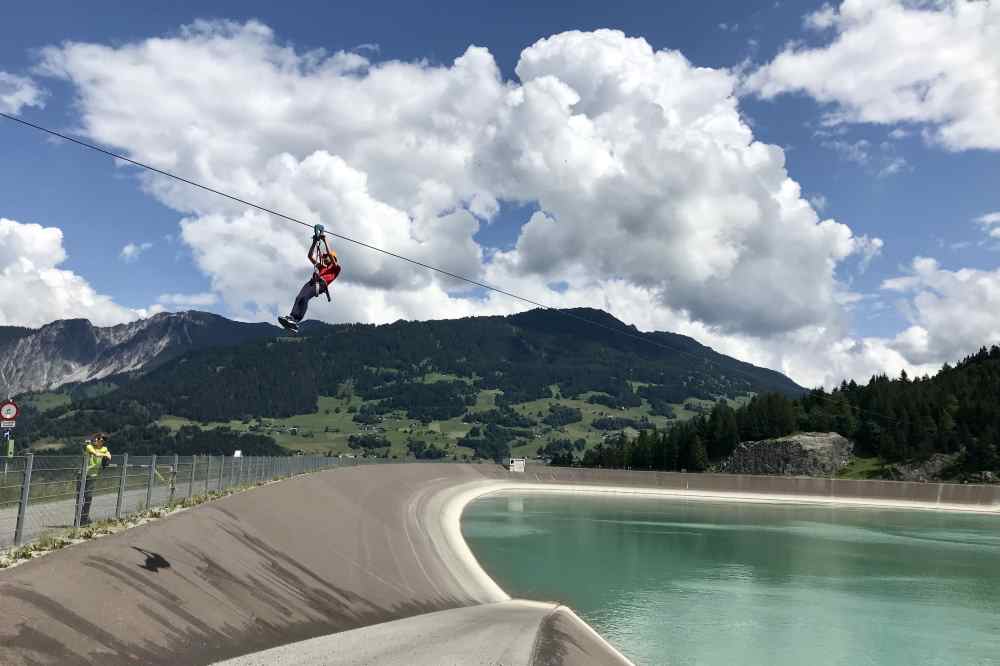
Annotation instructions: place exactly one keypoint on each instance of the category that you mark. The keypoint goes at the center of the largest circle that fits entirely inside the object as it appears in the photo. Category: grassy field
(863, 468)
(43, 402)
(328, 428)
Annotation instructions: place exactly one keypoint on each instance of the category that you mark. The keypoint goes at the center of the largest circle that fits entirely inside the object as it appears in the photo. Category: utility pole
(8, 421)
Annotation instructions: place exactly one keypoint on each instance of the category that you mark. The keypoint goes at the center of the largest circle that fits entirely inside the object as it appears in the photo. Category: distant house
(515, 464)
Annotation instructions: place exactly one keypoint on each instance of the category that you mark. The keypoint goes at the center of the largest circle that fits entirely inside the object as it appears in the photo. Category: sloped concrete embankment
(305, 558)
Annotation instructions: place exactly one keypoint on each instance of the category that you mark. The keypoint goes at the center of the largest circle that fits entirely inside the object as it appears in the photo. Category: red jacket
(328, 273)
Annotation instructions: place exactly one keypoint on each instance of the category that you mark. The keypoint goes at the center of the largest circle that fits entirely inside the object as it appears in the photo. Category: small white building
(515, 465)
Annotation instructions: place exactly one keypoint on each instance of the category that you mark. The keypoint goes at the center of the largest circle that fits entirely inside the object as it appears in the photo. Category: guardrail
(41, 493)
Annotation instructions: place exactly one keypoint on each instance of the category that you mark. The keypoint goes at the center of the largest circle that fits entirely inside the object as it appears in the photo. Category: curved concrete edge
(499, 630)
(501, 633)
(564, 638)
(443, 524)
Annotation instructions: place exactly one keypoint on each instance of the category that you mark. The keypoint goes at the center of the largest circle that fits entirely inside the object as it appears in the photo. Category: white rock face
(74, 350)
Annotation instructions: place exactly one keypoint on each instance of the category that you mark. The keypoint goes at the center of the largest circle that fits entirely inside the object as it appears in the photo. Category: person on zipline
(327, 268)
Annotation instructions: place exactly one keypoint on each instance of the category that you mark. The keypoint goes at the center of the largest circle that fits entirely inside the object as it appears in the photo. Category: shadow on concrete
(154, 561)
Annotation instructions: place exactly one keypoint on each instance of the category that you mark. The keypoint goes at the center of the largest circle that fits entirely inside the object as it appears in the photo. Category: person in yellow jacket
(98, 455)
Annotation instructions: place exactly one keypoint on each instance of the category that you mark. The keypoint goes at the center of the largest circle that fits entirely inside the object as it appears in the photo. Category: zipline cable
(442, 271)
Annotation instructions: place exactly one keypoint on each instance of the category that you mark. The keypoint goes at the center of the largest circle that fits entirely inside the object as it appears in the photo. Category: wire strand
(264, 209)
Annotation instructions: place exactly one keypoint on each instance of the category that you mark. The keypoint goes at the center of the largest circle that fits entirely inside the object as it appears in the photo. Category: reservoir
(673, 581)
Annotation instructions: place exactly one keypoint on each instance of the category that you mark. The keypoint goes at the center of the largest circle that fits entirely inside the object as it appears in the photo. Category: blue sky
(926, 208)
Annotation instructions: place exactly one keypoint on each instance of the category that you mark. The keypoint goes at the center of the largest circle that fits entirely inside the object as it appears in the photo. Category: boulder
(932, 469)
(801, 454)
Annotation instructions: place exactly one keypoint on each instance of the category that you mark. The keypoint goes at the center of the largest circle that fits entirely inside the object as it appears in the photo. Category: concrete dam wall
(944, 494)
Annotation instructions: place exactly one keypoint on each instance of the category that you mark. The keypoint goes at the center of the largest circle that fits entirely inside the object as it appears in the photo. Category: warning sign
(9, 411)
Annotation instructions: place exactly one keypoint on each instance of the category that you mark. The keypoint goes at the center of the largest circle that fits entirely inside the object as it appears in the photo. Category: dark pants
(88, 495)
(309, 290)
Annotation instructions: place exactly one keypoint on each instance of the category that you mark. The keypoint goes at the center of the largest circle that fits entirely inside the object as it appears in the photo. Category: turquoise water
(674, 582)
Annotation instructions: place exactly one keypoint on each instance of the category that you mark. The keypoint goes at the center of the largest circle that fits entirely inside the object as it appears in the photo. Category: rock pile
(802, 454)
(932, 469)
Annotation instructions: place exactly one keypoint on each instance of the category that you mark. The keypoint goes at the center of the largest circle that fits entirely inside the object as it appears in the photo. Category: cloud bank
(934, 64)
(655, 200)
(35, 291)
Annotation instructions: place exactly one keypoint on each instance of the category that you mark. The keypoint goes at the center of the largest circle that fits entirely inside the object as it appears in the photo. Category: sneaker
(289, 324)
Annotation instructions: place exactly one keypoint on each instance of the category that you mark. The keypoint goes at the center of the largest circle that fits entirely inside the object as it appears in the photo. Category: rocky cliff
(802, 454)
(74, 350)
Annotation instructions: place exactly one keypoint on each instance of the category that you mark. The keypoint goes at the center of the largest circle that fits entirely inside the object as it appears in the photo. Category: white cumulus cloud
(895, 61)
(656, 201)
(132, 251)
(952, 313)
(17, 92)
(990, 223)
(35, 291)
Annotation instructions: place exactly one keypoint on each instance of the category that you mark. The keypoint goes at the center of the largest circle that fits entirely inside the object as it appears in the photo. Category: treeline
(492, 442)
(560, 415)
(421, 450)
(680, 448)
(620, 423)
(504, 417)
(903, 419)
(150, 440)
(560, 451)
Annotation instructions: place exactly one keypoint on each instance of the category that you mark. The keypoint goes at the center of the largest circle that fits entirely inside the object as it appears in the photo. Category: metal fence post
(120, 505)
(173, 478)
(151, 481)
(22, 507)
(222, 472)
(80, 492)
(194, 466)
(208, 471)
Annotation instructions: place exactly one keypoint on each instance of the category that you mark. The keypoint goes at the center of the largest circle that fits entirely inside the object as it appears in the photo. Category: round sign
(9, 411)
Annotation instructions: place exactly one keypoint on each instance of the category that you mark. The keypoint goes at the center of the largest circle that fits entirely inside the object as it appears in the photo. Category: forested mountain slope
(521, 358)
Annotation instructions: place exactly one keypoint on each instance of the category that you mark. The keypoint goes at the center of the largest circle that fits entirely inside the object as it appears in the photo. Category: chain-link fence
(43, 493)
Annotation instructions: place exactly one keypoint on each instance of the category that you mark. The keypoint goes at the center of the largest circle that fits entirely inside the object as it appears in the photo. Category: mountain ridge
(71, 351)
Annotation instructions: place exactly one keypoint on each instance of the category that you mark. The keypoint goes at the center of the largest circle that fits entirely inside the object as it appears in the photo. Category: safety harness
(319, 237)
